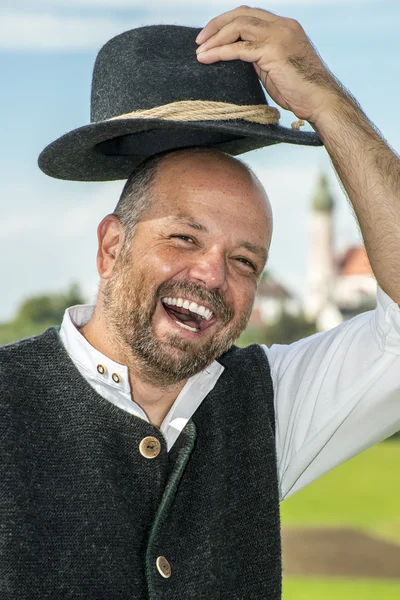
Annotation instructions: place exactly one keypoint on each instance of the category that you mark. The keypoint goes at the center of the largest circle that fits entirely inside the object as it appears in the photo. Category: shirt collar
(93, 361)
(98, 366)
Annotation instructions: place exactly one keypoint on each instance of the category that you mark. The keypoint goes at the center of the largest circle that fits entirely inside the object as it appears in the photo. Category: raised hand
(284, 58)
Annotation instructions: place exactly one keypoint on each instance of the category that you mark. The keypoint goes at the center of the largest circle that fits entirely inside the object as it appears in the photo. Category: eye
(184, 238)
(247, 263)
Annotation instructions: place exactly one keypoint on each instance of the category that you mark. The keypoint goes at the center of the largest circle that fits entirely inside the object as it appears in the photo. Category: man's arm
(336, 394)
(370, 173)
(296, 78)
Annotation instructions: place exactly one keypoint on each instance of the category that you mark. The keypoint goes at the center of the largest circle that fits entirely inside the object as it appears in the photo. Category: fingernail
(199, 37)
(201, 48)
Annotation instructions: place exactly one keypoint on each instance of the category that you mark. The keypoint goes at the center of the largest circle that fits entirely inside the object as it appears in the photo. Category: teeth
(193, 307)
(204, 312)
(184, 326)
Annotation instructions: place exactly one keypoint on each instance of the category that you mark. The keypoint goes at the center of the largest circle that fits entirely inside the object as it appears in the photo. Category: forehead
(211, 187)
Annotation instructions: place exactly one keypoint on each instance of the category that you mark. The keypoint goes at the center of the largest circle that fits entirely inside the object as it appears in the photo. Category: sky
(47, 51)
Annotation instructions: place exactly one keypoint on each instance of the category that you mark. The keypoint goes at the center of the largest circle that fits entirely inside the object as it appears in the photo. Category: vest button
(163, 567)
(150, 447)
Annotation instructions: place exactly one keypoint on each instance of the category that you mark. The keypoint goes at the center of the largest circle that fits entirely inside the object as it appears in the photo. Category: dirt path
(338, 552)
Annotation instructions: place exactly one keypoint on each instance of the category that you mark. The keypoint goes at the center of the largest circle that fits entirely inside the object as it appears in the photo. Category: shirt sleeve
(336, 394)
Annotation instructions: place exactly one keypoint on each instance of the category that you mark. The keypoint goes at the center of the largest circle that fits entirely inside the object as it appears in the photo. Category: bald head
(194, 157)
(196, 168)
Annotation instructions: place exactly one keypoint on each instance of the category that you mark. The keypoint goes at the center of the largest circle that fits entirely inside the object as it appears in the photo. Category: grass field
(363, 493)
(303, 588)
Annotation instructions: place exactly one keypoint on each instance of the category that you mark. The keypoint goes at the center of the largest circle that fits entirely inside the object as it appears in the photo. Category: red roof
(355, 262)
(269, 288)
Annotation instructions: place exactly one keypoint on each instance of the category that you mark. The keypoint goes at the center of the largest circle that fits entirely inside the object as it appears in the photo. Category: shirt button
(101, 369)
(163, 567)
(150, 447)
(116, 377)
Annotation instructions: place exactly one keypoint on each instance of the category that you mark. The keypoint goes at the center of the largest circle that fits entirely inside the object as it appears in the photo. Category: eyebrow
(258, 250)
(189, 222)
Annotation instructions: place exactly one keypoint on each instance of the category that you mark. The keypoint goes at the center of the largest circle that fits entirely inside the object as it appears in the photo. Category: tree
(48, 307)
(37, 313)
(286, 329)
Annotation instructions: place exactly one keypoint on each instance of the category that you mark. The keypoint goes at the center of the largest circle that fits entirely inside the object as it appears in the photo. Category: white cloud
(44, 32)
(62, 26)
(204, 4)
(51, 242)
(74, 212)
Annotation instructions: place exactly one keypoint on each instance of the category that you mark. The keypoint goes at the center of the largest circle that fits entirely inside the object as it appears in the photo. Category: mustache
(213, 298)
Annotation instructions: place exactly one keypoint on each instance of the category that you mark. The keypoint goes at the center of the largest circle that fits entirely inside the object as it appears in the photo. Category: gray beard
(168, 363)
(165, 363)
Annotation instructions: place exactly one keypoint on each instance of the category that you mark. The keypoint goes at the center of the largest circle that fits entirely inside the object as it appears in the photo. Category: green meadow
(308, 588)
(363, 493)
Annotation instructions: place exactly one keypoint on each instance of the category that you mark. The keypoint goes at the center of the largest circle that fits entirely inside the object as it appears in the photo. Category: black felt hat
(156, 66)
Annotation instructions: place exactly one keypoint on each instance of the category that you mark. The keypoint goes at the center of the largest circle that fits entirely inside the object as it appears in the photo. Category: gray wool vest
(84, 516)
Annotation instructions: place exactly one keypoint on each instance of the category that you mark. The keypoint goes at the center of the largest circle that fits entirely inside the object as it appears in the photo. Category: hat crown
(156, 65)
(149, 68)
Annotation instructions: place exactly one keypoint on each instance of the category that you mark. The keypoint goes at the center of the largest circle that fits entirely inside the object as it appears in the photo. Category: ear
(110, 237)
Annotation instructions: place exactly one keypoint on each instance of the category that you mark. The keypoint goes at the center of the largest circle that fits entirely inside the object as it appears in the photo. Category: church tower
(321, 264)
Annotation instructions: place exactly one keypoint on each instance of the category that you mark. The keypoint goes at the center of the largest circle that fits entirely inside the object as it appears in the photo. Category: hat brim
(84, 155)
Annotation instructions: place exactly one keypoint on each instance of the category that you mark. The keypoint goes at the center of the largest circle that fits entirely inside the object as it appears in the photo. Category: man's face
(183, 290)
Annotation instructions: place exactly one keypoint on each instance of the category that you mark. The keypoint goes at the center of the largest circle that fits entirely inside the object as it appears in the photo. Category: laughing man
(144, 455)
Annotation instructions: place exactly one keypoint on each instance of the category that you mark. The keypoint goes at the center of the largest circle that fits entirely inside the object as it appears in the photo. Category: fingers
(219, 22)
(242, 34)
(283, 56)
(242, 28)
(246, 51)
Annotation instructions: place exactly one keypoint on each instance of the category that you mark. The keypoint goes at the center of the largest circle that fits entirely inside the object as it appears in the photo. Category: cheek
(245, 299)
(165, 263)
(166, 270)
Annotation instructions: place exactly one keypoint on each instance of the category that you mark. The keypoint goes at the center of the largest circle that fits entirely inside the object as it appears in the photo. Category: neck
(154, 400)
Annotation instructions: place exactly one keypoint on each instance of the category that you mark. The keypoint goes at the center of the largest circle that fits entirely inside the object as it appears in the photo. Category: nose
(210, 269)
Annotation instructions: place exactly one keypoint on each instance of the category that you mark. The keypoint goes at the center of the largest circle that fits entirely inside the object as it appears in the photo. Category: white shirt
(336, 393)
(87, 360)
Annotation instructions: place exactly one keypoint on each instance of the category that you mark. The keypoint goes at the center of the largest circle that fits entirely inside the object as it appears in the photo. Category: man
(140, 445)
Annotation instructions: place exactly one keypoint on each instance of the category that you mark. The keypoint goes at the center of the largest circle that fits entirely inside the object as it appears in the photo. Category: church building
(338, 286)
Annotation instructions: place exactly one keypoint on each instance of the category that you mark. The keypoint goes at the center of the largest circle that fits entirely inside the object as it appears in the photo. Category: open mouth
(188, 314)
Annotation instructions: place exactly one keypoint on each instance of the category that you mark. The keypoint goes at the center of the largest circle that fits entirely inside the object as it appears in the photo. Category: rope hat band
(204, 110)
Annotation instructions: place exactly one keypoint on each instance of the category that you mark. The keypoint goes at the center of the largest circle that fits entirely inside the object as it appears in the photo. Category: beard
(129, 306)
